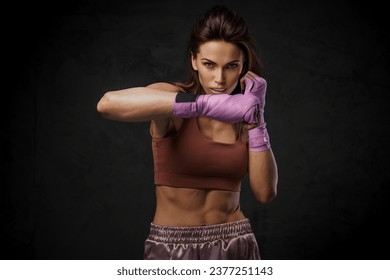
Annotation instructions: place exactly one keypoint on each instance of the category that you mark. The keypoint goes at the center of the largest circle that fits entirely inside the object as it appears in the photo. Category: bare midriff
(196, 207)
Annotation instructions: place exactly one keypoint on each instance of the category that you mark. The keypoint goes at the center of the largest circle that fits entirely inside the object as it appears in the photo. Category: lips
(219, 90)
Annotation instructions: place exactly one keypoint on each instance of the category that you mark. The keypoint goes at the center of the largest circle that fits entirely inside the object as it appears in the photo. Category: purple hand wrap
(223, 107)
(258, 138)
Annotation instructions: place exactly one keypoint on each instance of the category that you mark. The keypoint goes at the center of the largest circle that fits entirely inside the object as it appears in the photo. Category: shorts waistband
(199, 234)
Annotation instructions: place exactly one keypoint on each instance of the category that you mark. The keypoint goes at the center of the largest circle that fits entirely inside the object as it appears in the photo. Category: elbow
(266, 195)
(266, 198)
(103, 105)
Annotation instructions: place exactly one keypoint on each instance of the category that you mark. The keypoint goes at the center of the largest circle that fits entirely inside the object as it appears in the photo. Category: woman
(207, 133)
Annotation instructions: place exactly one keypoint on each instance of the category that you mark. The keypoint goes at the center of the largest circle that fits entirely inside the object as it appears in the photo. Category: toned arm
(263, 175)
(138, 104)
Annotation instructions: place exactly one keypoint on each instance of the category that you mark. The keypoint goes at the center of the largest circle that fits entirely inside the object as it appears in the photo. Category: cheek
(232, 76)
(204, 75)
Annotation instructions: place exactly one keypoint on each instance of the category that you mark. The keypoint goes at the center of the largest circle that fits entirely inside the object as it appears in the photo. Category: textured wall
(77, 186)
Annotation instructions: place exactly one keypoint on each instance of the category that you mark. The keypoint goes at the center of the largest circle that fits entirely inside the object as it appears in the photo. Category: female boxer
(207, 134)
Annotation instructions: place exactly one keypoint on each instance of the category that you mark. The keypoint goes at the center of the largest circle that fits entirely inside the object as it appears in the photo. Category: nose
(219, 76)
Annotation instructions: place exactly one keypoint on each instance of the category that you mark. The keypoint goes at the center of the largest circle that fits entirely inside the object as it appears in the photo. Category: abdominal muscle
(196, 207)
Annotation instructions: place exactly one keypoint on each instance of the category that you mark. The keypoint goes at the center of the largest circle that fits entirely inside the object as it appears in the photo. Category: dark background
(77, 186)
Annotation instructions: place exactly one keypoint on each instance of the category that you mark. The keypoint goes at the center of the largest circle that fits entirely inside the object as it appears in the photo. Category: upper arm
(164, 86)
(138, 104)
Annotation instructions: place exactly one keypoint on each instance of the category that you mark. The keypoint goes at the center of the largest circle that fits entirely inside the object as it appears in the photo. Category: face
(219, 65)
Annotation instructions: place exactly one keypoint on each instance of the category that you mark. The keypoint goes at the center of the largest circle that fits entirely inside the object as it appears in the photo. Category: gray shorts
(229, 241)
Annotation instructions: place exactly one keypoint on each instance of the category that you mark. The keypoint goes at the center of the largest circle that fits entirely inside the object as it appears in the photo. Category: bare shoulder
(164, 86)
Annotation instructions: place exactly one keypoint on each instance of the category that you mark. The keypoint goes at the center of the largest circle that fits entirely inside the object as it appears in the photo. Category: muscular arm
(263, 172)
(154, 102)
(263, 175)
(138, 104)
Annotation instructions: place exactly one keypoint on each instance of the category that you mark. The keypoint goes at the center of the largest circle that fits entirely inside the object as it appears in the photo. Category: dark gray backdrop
(77, 186)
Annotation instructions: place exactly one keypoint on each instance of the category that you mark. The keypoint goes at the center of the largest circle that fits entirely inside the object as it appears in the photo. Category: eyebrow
(233, 61)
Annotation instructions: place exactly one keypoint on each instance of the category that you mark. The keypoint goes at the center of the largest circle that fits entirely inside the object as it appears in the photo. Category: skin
(219, 65)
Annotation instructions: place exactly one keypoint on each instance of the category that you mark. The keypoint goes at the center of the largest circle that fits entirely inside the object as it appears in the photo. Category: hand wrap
(258, 138)
(223, 107)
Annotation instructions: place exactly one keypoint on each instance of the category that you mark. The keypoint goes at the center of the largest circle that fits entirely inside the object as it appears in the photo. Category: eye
(232, 66)
(208, 64)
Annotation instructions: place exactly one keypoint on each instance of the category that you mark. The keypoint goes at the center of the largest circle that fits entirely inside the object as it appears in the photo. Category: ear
(193, 62)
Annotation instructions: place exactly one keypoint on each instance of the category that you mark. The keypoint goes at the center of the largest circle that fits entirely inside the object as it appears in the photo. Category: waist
(199, 234)
(194, 207)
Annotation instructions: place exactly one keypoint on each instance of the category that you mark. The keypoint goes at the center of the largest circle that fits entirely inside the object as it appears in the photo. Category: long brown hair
(221, 24)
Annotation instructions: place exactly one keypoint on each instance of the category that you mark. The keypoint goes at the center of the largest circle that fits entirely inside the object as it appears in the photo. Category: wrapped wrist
(185, 105)
(258, 139)
(222, 107)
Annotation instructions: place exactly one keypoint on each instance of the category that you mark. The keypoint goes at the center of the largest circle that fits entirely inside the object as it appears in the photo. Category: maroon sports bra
(188, 159)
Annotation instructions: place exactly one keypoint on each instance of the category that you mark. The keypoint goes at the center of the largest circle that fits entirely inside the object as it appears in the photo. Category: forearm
(136, 104)
(263, 175)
